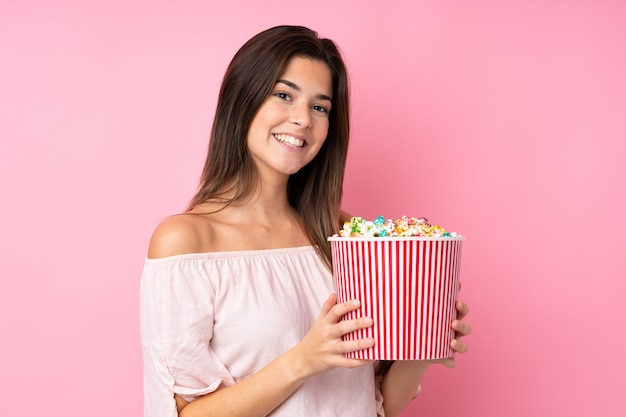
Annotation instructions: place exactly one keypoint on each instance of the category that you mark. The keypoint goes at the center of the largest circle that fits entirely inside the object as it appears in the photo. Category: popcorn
(402, 227)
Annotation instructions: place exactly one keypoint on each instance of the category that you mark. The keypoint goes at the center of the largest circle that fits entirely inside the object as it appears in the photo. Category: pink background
(503, 120)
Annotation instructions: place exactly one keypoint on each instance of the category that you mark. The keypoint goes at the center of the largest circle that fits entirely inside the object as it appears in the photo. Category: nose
(301, 115)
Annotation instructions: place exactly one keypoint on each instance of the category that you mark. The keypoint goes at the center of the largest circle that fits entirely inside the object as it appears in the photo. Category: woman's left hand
(401, 382)
(461, 328)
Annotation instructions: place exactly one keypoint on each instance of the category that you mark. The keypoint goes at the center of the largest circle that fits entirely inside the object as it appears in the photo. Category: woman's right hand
(322, 348)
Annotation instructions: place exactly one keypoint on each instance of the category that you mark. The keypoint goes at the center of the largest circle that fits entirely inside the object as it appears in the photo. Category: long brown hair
(229, 173)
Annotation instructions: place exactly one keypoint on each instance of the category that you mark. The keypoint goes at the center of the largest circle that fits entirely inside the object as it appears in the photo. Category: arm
(401, 383)
(257, 395)
(321, 350)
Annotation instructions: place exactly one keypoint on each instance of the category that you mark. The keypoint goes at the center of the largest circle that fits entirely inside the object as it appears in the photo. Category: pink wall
(507, 121)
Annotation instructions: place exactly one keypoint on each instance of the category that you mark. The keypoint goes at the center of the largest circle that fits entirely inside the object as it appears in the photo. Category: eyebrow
(297, 88)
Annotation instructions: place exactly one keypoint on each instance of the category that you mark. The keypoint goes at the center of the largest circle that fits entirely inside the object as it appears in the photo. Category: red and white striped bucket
(407, 285)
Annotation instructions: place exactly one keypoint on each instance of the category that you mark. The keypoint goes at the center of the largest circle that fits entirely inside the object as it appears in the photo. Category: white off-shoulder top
(209, 320)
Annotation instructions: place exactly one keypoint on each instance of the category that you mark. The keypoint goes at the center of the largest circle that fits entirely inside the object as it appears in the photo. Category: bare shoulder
(177, 235)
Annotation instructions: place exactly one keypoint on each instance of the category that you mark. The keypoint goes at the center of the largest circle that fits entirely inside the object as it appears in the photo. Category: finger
(462, 309)
(328, 304)
(341, 309)
(461, 328)
(347, 326)
(354, 363)
(356, 345)
(332, 299)
(458, 346)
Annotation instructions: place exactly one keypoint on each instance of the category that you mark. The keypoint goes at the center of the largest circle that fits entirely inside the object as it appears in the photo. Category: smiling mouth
(289, 140)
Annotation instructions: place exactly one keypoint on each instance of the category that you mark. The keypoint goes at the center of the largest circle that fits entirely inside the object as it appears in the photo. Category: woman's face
(291, 125)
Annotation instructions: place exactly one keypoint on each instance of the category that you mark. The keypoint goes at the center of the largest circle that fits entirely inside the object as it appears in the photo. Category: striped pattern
(408, 286)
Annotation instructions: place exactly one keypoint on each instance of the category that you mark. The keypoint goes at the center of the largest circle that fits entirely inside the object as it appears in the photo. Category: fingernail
(356, 303)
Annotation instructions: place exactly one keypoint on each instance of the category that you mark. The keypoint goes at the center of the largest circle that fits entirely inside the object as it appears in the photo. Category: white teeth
(289, 139)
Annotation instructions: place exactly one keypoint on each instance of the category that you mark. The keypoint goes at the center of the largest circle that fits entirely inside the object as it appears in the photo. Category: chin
(291, 169)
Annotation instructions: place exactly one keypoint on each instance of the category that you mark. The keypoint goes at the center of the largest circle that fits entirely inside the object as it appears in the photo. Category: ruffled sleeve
(176, 314)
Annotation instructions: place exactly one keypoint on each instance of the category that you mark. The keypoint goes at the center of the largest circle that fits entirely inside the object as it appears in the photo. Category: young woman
(238, 313)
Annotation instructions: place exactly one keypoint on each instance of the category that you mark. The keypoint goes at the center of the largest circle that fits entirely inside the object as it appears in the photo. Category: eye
(282, 95)
(320, 109)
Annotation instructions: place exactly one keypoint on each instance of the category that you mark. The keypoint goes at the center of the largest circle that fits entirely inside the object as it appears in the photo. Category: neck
(267, 202)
